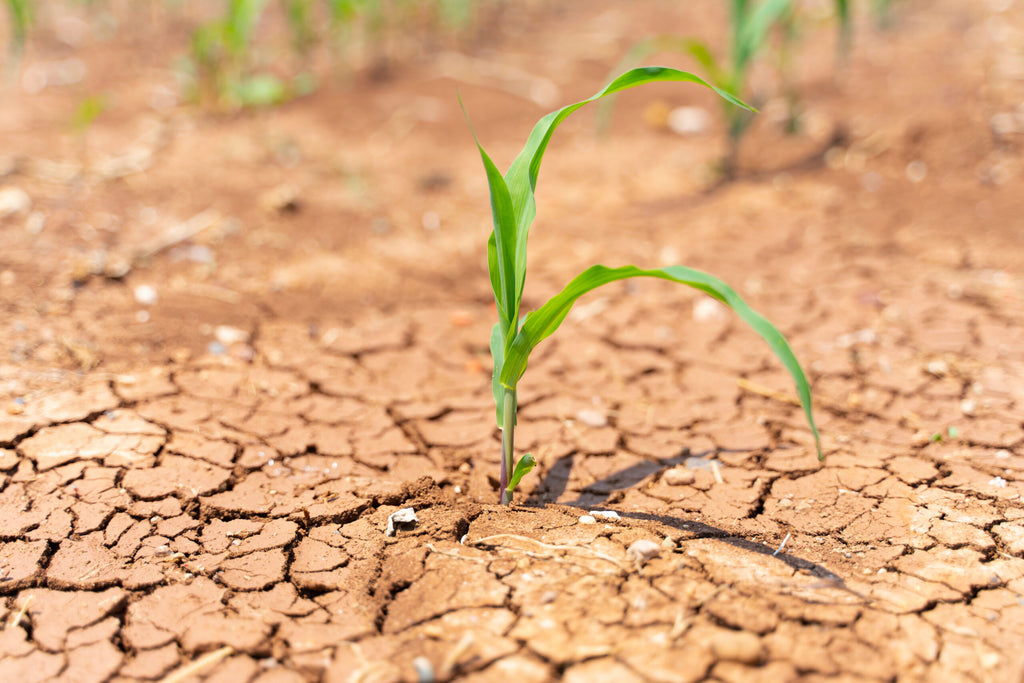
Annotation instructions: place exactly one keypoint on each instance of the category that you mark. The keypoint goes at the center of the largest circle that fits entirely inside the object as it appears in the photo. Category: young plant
(21, 17)
(751, 22)
(513, 337)
(222, 55)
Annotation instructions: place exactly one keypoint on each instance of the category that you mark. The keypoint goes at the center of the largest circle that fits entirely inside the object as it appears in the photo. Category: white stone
(689, 120)
(228, 335)
(643, 550)
(14, 200)
(587, 519)
(592, 418)
(146, 295)
(678, 476)
(403, 516)
(707, 309)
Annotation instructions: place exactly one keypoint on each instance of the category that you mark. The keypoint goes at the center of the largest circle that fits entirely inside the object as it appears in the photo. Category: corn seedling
(224, 61)
(87, 111)
(21, 18)
(882, 12)
(513, 338)
(750, 24)
(221, 57)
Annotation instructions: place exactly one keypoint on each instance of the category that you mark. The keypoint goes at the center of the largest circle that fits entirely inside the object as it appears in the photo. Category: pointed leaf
(545, 320)
(522, 468)
(754, 28)
(501, 246)
(521, 177)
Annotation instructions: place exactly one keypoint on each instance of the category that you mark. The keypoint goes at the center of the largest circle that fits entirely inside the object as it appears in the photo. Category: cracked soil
(234, 344)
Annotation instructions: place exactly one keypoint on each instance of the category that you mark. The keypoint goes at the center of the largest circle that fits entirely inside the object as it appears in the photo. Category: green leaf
(754, 27)
(241, 20)
(522, 468)
(644, 49)
(545, 320)
(845, 27)
(21, 18)
(87, 111)
(259, 90)
(501, 247)
(521, 177)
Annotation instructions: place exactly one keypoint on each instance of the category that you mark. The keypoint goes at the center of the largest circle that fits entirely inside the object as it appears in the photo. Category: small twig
(761, 390)
(452, 553)
(452, 660)
(198, 665)
(716, 471)
(681, 625)
(95, 570)
(366, 667)
(16, 619)
(179, 233)
(783, 397)
(489, 540)
(781, 545)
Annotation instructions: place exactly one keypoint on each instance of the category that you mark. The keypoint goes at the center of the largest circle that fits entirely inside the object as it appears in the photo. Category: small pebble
(668, 543)
(998, 482)
(968, 407)
(228, 335)
(688, 120)
(592, 418)
(916, 171)
(404, 518)
(431, 221)
(607, 514)
(679, 476)
(146, 295)
(587, 519)
(707, 309)
(14, 200)
(643, 550)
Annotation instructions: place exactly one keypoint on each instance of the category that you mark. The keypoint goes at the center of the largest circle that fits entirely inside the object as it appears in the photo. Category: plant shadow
(555, 481)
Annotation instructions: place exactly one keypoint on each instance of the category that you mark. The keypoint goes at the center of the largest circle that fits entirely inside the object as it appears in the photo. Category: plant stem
(507, 439)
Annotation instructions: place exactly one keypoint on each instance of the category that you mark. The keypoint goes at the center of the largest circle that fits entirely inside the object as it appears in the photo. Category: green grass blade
(545, 320)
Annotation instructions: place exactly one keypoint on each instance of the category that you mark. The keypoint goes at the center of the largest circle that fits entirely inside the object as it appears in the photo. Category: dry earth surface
(234, 343)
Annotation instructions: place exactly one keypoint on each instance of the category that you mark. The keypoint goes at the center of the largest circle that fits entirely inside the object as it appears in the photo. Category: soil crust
(234, 344)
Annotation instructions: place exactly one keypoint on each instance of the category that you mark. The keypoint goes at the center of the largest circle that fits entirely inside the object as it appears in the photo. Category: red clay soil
(234, 344)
